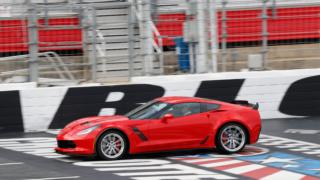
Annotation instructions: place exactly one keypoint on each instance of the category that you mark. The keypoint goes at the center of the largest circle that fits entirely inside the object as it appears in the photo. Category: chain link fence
(111, 41)
(282, 34)
(246, 35)
(49, 44)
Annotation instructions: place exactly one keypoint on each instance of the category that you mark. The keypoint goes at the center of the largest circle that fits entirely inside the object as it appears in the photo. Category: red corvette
(164, 124)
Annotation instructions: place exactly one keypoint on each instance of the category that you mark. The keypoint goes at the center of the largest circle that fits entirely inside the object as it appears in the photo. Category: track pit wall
(281, 94)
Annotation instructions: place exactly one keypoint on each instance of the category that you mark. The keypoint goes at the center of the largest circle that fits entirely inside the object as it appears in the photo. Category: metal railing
(157, 42)
(55, 62)
(36, 34)
(139, 37)
(239, 35)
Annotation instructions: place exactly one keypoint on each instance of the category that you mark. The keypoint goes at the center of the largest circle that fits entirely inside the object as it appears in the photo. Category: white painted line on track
(9, 164)
(302, 131)
(53, 178)
(209, 165)
(290, 144)
(131, 168)
(278, 138)
(201, 160)
(284, 175)
(184, 177)
(244, 169)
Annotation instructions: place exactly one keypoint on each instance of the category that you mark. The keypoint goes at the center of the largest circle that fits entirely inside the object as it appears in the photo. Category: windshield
(149, 110)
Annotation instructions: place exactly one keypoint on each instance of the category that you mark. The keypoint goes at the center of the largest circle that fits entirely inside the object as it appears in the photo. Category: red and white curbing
(245, 168)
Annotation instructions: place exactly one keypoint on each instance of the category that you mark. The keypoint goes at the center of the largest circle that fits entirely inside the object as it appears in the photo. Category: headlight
(88, 130)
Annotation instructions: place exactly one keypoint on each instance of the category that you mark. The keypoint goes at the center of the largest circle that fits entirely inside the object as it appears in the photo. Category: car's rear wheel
(112, 145)
(231, 138)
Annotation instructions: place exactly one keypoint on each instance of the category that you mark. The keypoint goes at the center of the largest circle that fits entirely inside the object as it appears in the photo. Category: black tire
(229, 148)
(102, 145)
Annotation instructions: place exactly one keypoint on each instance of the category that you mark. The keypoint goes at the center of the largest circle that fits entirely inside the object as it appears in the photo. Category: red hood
(95, 120)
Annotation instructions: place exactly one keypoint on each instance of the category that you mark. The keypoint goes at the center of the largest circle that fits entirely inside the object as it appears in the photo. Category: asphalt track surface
(288, 149)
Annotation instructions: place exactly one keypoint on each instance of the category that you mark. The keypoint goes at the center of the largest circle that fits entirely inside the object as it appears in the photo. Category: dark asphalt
(277, 127)
(17, 165)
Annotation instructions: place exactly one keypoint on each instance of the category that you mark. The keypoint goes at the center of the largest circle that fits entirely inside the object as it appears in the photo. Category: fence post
(264, 17)
(46, 13)
(274, 9)
(33, 43)
(131, 41)
(202, 59)
(147, 33)
(224, 35)
(93, 45)
(213, 30)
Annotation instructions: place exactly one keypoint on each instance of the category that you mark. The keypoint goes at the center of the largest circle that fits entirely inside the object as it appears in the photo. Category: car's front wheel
(112, 145)
(231, 138)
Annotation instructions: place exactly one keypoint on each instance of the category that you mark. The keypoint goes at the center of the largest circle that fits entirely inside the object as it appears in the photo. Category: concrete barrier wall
(281, 94)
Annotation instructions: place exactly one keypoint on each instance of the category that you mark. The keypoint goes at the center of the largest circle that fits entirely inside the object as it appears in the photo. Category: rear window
(205, 107)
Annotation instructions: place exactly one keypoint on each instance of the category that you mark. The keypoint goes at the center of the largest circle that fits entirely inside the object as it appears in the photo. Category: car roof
(184, 99)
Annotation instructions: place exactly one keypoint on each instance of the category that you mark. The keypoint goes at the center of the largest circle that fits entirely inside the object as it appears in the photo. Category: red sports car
(164, 124)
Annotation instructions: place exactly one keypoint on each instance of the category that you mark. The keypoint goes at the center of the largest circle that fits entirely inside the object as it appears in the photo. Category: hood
(95, 120)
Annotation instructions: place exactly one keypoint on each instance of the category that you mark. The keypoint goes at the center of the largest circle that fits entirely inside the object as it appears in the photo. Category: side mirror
(167, 117)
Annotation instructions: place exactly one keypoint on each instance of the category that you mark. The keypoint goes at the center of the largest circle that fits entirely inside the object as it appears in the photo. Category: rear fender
(231, 117)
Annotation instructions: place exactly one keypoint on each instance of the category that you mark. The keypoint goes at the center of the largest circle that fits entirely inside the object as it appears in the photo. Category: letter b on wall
(88, 101)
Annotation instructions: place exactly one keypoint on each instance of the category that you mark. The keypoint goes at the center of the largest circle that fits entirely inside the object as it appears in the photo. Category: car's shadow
(155, 155)
(174, 153)
(247, 151)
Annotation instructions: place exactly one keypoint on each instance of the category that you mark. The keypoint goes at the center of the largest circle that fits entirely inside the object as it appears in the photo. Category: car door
(140, 119)
(187, 129)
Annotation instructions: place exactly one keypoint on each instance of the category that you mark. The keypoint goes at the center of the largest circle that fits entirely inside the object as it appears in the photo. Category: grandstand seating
(295, 19)
(112, 25)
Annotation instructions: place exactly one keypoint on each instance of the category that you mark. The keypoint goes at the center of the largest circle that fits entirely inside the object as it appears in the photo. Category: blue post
(182, 49)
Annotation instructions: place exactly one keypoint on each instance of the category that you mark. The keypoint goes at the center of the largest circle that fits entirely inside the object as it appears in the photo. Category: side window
(148, 111)
(183, 109)
(205, 107)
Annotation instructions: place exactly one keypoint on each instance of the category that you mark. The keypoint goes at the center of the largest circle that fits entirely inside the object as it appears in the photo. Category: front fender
(125, 130)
